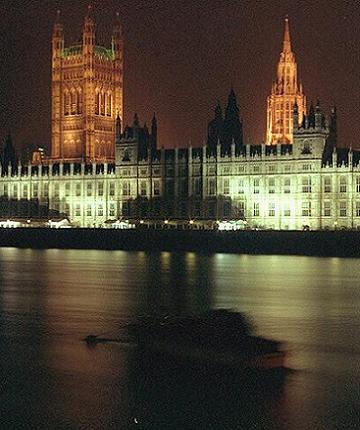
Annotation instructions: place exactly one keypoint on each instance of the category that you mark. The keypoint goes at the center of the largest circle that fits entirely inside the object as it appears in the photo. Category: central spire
(286, 42)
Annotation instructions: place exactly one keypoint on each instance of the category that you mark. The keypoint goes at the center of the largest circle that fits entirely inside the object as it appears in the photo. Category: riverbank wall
(317, 243)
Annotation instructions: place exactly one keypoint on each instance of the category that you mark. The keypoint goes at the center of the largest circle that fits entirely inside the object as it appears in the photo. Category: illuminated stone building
(285, 93)
(87, 95)
(305, 180)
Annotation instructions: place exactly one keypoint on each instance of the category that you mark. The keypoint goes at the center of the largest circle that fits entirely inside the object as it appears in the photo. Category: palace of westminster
(99, 170)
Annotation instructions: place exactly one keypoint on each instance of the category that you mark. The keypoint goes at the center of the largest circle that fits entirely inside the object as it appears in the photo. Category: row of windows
(73, 102)
(305, 209)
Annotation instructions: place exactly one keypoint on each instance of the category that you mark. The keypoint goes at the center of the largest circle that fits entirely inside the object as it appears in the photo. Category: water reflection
(51, 299)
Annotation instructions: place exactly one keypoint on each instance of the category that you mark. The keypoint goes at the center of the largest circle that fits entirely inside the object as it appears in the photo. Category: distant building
(300, 179)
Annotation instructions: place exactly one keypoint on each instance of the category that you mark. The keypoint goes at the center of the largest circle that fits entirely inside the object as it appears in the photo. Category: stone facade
(87, 95)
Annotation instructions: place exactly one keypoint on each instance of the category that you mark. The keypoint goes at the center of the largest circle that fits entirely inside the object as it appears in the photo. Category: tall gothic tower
(87, 95)
(285, 92)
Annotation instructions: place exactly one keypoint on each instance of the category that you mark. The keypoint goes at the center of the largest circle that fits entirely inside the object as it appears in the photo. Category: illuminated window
(56, 190)
(100, 188)
(102, 104)
(287, 185)
(67, 189)
(358, 209)
(358, 184)
(256, 184)
(66, 103)
(272, 168)
(226, 170)
(156, 188)
(80, 102)
(226, 187)
(342, 208)
(112, 189)
(241, 186)
(15, 191)
(97, 103)
(287, 211)
(342, 184)
(211, 187)
(271, 185)
(306, 184)
(271, 209)
(88, 210)
(306, 167)
(256, 211)
(100, 211)
(256, 169)
(306, 209)
(46, 190)
(197, 186)
(287, 168)
(78, 190)
(327, 208)
(67, 208)
(73, 103)
(25, 191)
(6, 192)
(327, 184)
(126, 188)
(35, 191)
(196, 170)
(241, 169)
(143, 188)
(108, 105)
(112, 209)
(89, 189)
(242, 209)
(211, 170)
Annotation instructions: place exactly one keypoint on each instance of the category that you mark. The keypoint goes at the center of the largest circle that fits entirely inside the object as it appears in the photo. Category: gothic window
(358, 209)
(126, 188)
(256, 186)
(241, 209)
(108, 105)
(358, 184)
(327, 184)
(156, 188)
(73, 103)
(102, 104)
(256, 209)
(112, 209)
(271, 185)
(241, 186)
(306, 185)
(112, 189)
(97, 103)
(226, 187)
(327, 208)
(67, 189)
(306, 209)
(100, 189)
(271, 209)
(77, 210)
(80, 102)
(143, 187)
(342, 208)
(211, 186)
(342, 185)
(287, 185)
(100, 210)
(89, 189)
(88, 210)
(66, 103)
(78, 190)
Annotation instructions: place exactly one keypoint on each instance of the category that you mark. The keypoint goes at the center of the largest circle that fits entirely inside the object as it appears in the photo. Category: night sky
(181, 56)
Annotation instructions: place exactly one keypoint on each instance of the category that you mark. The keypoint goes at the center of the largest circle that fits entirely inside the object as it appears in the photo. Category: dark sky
(181, 56)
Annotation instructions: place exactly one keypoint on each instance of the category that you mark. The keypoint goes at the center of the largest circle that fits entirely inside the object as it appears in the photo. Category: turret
(118, 129)
(117, 46)
(295, 117)
(318, 116)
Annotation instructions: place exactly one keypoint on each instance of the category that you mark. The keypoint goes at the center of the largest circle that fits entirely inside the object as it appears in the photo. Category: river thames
(51, 299)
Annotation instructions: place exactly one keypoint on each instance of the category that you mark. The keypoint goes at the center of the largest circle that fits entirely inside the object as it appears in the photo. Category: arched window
(108, 104)
(97, 103)
(80, 102)
(73, 102)
(102, 104)
(66, 103)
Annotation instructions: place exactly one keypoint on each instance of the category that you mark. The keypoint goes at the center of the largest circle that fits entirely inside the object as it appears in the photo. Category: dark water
(51, 299)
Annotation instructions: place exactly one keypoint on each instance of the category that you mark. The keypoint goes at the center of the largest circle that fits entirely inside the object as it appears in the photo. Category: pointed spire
(286, 42)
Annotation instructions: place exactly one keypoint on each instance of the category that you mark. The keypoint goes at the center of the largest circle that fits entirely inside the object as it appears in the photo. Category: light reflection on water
(51, 299)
